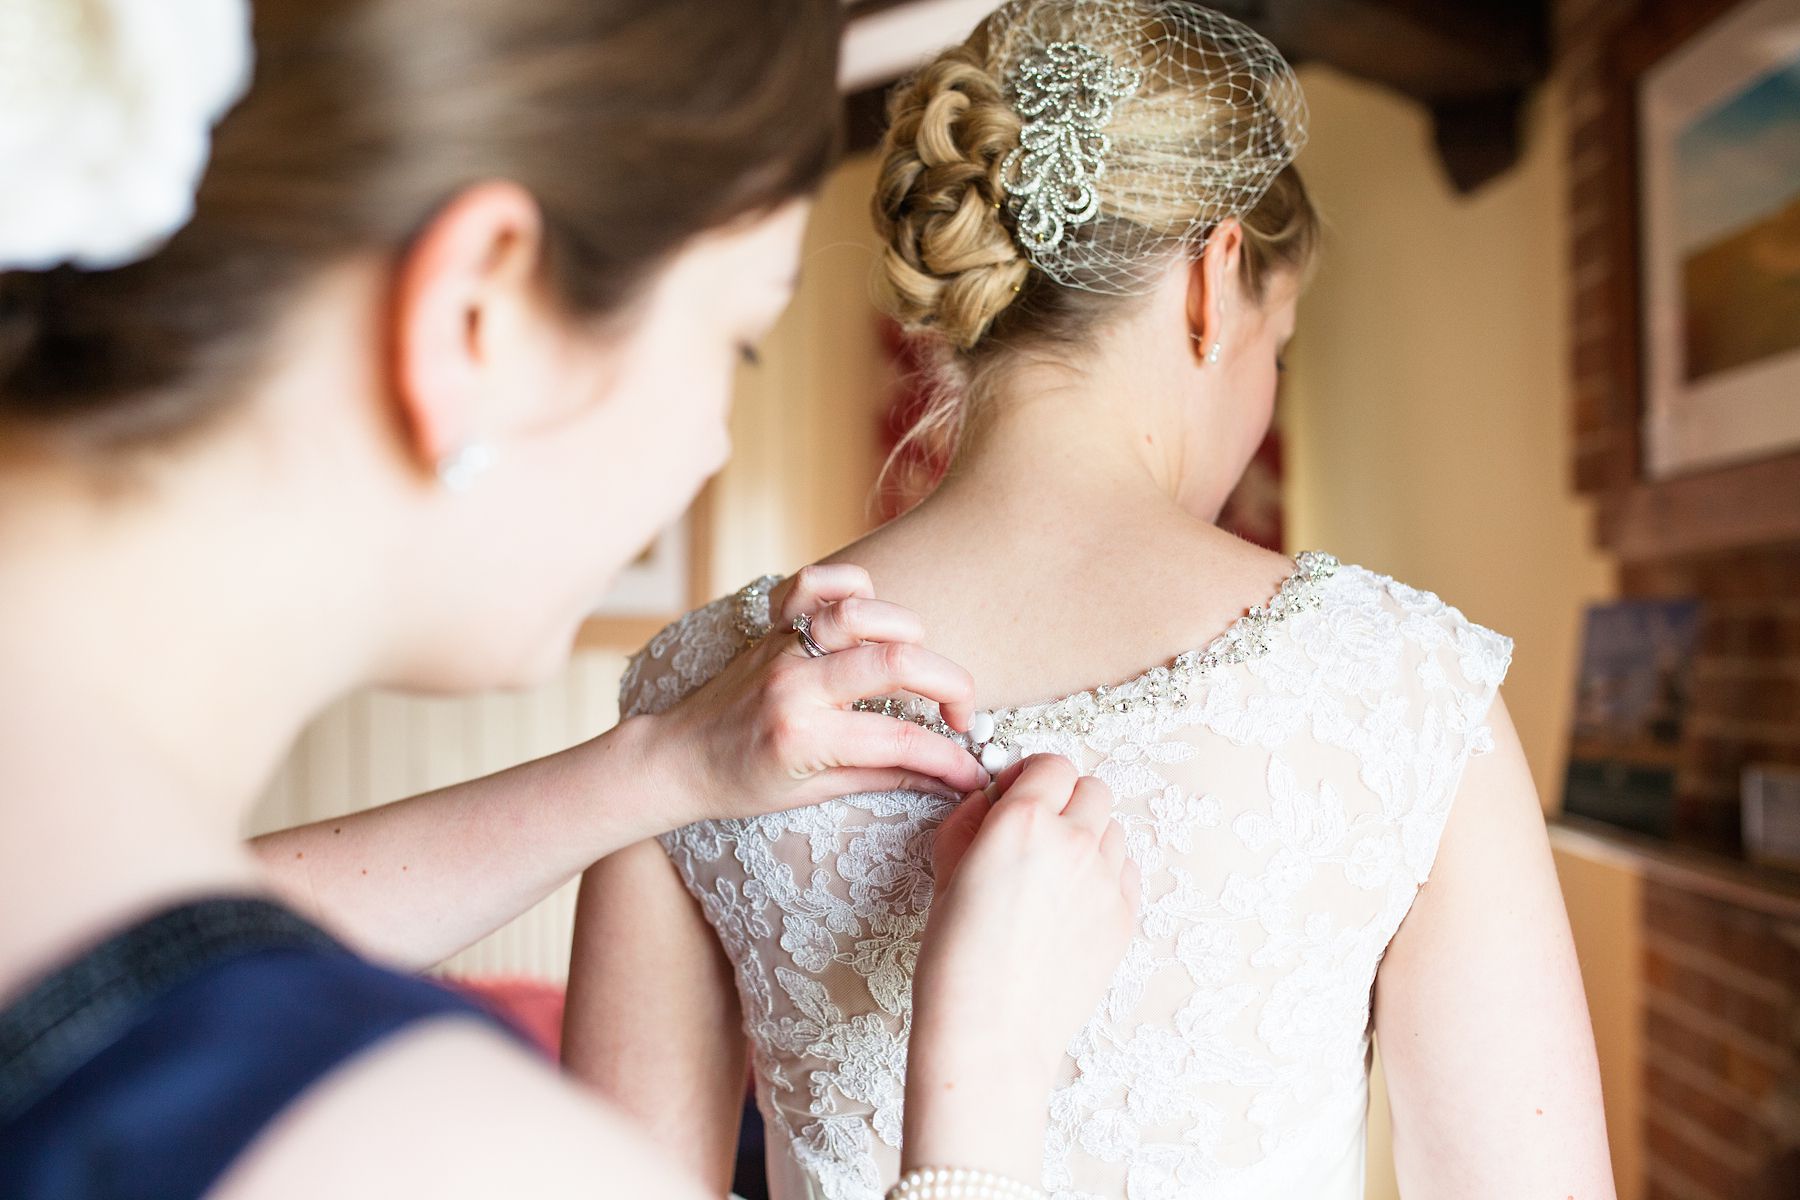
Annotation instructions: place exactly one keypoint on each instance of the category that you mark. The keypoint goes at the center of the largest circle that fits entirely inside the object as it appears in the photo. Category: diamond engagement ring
(803, 627)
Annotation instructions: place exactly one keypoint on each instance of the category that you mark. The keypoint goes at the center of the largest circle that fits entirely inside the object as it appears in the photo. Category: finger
(787, 641)
(811, 588)
(958, 714)
(1112, 846)
(1090, 807)
(878, 742)
(957, 834)
(883, 667)
(1131, 886)
(850, 622)
(966, 817)
(855, 781)
(1045, 780)
(1007, 777)
(975, 807)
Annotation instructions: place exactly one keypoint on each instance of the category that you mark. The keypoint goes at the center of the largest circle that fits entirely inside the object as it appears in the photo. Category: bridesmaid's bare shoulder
(449, 1109)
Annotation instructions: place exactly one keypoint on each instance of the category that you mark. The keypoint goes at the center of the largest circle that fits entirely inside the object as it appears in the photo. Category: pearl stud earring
(1212, 353)
(459, 471)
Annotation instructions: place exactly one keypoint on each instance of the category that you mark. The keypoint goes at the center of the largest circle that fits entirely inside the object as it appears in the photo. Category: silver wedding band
(808, 643)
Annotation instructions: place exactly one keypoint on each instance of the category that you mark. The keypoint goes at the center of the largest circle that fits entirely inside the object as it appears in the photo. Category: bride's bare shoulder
(1040, 612)
(1186, 555)
(1213, 561)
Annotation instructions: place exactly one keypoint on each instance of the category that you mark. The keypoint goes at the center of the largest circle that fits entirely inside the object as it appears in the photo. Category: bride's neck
(1081, 449)
(160, 650)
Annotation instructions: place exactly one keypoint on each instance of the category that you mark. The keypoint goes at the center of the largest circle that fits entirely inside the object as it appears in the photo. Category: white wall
(1428, 414)
(805, 431)
(1428, 423)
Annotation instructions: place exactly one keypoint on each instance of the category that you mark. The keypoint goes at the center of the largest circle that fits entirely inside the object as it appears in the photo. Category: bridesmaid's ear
(467, 300)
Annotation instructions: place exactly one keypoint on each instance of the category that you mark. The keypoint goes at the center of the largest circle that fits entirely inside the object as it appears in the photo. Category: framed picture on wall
(664, 581)
(1719, 186)
(1631, 698)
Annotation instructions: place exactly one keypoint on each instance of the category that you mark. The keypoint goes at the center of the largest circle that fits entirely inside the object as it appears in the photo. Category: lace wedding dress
(1283, 790)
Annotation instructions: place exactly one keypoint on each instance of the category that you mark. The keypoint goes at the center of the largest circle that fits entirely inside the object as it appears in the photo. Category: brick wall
(1746, 697)
(1747, 701)
(1722, 1091)
(1721, 971)
(1603, 396)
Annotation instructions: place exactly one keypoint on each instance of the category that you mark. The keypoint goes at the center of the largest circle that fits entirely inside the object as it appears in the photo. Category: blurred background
(1549, 369)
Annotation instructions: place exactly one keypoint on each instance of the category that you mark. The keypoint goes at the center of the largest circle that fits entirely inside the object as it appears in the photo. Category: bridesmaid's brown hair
(636, 124)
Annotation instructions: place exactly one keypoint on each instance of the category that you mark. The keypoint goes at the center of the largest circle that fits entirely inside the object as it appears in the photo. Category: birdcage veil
(1145, 124)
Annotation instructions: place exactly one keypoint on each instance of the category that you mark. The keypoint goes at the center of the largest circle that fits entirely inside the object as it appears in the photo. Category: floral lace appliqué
(1283, 815)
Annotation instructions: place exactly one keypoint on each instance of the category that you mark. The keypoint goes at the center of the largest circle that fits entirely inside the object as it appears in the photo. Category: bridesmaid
(444, 335)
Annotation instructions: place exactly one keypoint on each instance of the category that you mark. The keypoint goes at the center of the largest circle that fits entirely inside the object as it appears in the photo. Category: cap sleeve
(684, 655)
(1457, 668)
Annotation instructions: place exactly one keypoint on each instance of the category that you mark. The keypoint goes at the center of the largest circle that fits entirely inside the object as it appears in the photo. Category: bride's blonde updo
(951, 262)
(1201, 124)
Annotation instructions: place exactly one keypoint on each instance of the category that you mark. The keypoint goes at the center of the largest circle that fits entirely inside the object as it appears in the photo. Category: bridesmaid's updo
(636, 124)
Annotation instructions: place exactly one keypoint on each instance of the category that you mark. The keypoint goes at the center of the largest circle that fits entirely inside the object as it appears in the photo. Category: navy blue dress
(141, 1070)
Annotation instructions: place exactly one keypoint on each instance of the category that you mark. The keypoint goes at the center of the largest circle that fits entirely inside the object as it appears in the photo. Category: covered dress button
(994, 759)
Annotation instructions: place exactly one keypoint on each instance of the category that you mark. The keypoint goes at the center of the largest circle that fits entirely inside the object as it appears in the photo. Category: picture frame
(1633, 687)
(1718, 123)
(670, 577)
(1639, 515)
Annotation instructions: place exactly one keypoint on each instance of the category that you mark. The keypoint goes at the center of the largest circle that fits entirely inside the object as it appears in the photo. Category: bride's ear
(1209, 285)
(465, 292)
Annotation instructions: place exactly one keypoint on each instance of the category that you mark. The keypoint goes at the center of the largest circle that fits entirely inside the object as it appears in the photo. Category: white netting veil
(1145, 124)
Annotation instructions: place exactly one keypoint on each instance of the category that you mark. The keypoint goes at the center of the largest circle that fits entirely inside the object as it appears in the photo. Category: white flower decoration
(106, 115)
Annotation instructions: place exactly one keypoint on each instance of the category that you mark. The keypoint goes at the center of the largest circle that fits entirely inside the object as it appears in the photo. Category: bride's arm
(653, 1021)
(1479, 1010)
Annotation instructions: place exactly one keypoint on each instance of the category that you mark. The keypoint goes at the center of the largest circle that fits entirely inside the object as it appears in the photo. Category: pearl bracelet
(960, 1183)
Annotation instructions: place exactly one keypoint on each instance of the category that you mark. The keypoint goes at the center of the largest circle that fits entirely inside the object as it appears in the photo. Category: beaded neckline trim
(1161, 689)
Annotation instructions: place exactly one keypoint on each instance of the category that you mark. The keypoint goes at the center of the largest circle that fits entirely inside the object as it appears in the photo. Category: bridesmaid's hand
(774, 729)
(1034, 907)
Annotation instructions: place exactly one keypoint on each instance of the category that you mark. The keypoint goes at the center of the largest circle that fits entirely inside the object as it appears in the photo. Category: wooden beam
(865, 118)
(883, 42)
(1471, 63)
(1748, 504)
(1415, 48)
